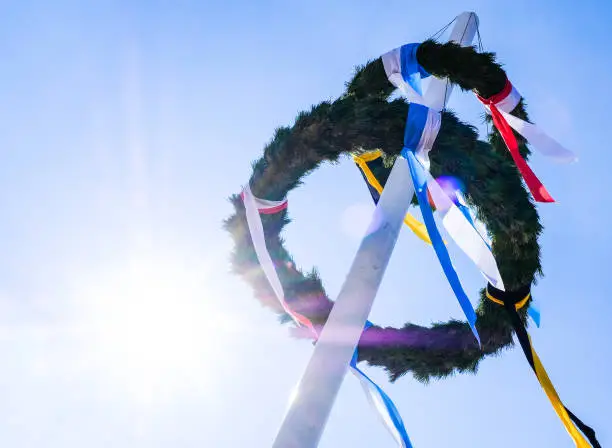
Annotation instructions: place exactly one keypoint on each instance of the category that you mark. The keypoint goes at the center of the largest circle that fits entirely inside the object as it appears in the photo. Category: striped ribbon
(379, 400)
(404, 71)
(513, 301)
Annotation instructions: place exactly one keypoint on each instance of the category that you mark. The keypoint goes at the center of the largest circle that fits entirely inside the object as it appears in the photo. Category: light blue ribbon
(534, 313)
(383, 404)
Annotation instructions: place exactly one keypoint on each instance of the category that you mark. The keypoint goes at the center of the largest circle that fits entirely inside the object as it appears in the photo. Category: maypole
(464, 31)
(305, 420)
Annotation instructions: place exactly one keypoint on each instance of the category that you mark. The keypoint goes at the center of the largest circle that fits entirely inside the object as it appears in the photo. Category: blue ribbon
(534, 313)
(412, 71)
(466, 212)
(394, 422)
(415, 124)
(420, 187)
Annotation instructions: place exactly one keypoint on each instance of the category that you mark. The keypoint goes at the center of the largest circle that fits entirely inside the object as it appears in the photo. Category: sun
(154, 326)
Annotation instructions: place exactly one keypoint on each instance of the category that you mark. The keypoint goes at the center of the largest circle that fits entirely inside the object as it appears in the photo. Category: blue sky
(123, 130)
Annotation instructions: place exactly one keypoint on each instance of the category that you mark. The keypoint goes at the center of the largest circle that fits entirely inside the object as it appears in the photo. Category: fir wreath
(364, 119)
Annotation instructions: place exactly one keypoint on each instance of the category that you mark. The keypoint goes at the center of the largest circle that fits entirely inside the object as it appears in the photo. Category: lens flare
(450, 185)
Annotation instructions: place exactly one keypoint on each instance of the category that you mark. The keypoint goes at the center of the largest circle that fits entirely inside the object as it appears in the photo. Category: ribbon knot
(507, 99)
(518, 298)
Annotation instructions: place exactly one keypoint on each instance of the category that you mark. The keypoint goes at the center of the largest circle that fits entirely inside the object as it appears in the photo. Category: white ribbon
(510, 101)
(478, 224)
(467, 237)
(392, 63)
(252, 206)
(541, 141)
(428, 137)
(545, 144)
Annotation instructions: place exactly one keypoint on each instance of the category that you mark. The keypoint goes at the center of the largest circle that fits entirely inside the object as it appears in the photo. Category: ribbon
(513, 301)
(380, 401)
(375, 395)
(478, 252)
(413, 135)
(500, 106)
(542, 142)
(533, 311)
(464, 232)
(376, 189)
(404, 71)
(420, 185)
(506, 101)
(266, 207)
(471, 217)
(422, 126)
(418, 136)
(537, 189)
(252, 207)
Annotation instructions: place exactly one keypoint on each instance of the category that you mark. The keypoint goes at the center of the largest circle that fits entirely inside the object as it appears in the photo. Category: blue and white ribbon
(422, 126)
(417, 171)
(380, 401)
(404, 71)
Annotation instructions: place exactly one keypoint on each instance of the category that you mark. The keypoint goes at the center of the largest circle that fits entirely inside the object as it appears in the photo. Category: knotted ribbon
(404, 71)
(500, 106)
(381, 402)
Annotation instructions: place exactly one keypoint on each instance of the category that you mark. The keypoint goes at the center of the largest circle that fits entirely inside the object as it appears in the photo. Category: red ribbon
(537, 189)
(297, 317)
(269, 210)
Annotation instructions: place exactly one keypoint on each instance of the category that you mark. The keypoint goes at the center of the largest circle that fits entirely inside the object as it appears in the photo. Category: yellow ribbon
(417, 227)
(547, 385)
(558, 406)
(518, 305)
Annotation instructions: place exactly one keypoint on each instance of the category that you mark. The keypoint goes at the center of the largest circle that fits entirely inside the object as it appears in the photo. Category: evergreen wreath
(363, 119)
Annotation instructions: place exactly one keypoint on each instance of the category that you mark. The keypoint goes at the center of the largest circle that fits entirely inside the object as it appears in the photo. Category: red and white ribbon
(507, 99)
(253, 207)
(500, 106)
(265, 206)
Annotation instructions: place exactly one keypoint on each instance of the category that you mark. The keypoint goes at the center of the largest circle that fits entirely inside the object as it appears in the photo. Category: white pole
(464, 30)
(306, 418)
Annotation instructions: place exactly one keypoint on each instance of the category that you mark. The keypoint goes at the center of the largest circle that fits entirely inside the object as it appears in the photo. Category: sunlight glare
(156, 328)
